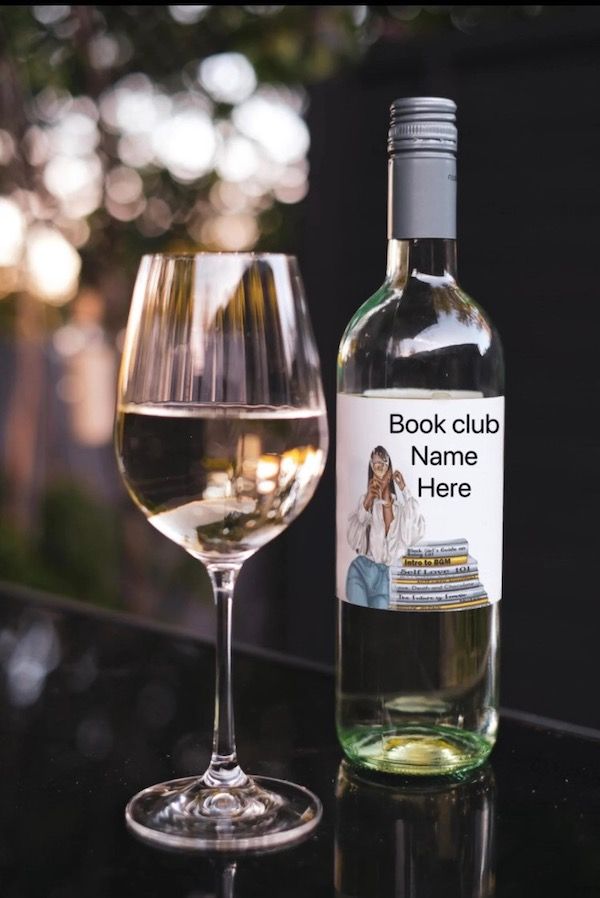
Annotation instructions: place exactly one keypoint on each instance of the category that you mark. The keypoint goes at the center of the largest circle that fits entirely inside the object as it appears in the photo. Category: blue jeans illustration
(367, 583)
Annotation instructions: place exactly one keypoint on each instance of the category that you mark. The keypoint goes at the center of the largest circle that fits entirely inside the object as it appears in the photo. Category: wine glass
(221, 438)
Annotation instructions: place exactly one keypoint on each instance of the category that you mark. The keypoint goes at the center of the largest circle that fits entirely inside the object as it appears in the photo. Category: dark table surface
(94, 707)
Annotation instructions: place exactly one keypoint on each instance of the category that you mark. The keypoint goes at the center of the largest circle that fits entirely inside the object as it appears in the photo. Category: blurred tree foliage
(57, 59)
(74, 551)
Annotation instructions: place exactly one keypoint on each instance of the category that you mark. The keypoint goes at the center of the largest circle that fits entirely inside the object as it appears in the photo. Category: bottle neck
(431, 258)
(422, 216)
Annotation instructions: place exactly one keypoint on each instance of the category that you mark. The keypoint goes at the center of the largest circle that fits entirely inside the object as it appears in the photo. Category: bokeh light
(188, 15)
(231, 232)
(123, 185)
(185, 144)
(103, 51)
(49, 15)
(134, 105)
(76, 133)
(12, 232)
(274, 124)
(228, 77)
(7, 147)
(76, 183)
(53, 265)
(238, 158)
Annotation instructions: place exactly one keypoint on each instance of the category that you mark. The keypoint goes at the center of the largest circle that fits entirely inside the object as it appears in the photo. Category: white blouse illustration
(387, 520)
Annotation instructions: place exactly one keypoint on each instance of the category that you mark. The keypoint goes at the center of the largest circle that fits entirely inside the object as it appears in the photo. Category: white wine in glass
(221, 438)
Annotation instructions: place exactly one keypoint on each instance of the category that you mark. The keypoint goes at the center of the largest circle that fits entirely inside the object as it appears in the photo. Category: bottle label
(419, 501)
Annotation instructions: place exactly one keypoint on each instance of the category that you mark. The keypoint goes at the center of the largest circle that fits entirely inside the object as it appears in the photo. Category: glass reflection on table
(414, 839)
(224, 879)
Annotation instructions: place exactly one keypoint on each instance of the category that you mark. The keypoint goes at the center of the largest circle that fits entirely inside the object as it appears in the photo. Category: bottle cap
(422, 124)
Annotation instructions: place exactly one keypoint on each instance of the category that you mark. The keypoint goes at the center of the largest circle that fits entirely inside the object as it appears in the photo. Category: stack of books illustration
(436, 573)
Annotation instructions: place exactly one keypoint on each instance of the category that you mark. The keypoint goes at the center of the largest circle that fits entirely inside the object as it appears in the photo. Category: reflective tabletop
(95, 706)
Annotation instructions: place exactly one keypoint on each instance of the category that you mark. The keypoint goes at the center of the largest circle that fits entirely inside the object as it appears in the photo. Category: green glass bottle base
(415, 750)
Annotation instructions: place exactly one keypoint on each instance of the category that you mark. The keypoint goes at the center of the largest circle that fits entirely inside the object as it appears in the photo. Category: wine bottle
(420, 433)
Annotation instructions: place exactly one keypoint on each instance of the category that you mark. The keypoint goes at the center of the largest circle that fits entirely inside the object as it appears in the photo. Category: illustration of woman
(384, 524)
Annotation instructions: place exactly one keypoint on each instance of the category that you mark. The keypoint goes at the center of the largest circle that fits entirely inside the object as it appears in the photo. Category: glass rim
(233, 254)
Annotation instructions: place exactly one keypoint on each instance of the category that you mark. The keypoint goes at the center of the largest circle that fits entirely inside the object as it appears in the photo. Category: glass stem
(224, 769)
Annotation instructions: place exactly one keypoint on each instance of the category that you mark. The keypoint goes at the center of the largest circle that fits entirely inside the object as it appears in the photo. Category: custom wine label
(419, 501)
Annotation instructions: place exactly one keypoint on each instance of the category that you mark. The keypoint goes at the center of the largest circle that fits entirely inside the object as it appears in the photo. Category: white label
(419, 501)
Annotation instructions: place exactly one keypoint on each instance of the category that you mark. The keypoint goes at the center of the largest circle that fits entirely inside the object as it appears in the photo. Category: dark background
(529, 210)
(527, 84)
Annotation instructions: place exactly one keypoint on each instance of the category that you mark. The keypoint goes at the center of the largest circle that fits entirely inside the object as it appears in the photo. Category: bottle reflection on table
(426, 839)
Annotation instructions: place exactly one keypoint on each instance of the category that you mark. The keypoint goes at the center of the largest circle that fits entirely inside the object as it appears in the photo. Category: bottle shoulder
(427, 323)
(420, 304)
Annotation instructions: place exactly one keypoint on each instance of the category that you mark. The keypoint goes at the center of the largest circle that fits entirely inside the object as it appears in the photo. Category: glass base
(187, 815)
(416, 750)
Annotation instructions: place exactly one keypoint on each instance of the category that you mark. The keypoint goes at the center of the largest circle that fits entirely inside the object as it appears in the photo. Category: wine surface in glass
(220, 480)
